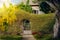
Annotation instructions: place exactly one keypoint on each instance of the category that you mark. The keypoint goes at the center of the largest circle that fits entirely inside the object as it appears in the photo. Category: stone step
(28, 37)
(25, 32)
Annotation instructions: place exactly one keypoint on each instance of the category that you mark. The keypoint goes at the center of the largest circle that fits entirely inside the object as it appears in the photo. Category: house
(35, 7)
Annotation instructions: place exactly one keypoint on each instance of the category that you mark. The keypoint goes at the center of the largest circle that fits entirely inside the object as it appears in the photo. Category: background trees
(25, 7)
(44, 6)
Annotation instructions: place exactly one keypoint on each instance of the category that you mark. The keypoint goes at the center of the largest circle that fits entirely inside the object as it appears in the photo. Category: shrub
(44, 37)
(26, 7)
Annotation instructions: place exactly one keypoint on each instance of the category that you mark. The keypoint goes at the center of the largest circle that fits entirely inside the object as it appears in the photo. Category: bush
(26, 7)
(44, 37)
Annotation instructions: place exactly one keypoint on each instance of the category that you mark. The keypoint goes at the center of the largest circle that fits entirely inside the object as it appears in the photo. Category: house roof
(30, 3)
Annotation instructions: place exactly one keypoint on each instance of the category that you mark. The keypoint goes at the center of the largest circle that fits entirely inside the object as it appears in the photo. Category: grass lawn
(9, 37)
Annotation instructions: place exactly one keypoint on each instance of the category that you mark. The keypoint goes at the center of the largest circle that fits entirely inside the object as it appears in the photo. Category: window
(35, 11)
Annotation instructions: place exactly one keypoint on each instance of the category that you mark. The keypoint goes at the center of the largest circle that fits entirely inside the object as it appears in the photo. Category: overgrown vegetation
(12, 19)
(44, 37)
(7, 16)
(38, 22)
(43, 22)
(43, 27)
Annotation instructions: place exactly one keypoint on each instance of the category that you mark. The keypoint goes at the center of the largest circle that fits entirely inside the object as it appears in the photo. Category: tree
(45, 7)
(56, 5)
(25, 7)
(7, 17)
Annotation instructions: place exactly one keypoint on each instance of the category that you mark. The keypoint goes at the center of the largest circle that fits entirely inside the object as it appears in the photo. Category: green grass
(9, 37)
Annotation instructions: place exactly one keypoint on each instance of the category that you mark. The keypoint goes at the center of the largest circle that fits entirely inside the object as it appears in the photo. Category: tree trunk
(58, 18)
(55, 5)
(57, 26)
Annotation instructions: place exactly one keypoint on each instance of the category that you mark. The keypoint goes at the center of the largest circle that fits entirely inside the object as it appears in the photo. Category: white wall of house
(36, 8)
(30, 2)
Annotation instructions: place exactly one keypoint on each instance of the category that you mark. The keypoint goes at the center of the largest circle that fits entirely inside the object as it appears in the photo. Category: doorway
(26, 27)
(26, 24)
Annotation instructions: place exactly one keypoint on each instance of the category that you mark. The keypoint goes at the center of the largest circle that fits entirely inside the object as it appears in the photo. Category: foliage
(37, 22)
(56, 3)
(45, 7)
(25, 7)
(45, 22)
(7, 15)
(14, 17)
(44, 37)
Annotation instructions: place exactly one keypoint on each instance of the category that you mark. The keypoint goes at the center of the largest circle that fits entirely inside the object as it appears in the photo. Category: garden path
(28, 36)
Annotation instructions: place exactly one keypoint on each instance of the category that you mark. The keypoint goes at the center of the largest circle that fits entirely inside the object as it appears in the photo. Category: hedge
(44, 22)
(37, 22)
